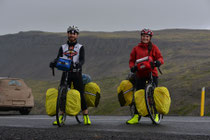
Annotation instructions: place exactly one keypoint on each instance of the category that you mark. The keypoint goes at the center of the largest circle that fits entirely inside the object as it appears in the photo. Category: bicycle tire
(132, 109)
(150, 104)
(79, 118)
(58, 107)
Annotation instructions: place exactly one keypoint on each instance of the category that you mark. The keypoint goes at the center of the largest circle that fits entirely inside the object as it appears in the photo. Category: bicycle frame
(64, 79)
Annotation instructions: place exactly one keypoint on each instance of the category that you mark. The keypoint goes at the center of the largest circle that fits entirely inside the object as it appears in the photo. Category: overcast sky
(102, 15)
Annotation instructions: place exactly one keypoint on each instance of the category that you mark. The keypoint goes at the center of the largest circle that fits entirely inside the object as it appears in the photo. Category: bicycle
(149, 100)
(62, 92)
(150, 103)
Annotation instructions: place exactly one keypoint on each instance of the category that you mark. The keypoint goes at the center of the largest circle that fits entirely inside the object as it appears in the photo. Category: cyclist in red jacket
(143, 49)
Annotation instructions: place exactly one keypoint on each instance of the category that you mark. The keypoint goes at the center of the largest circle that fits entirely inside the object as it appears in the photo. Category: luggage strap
(89, 93)
(128, 91)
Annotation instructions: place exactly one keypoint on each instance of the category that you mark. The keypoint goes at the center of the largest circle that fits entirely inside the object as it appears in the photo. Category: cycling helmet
(147, 32)
(73, 29)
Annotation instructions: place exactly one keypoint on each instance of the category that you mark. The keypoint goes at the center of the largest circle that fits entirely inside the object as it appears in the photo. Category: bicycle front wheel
(60, 106)
(150, 104)
(132, 109)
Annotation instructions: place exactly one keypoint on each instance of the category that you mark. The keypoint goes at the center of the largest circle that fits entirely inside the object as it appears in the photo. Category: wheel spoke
(61, 107)
(79, 117)
(150, 104)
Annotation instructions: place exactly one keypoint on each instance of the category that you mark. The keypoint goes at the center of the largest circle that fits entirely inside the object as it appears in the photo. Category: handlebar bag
(125, 93)
(92, 94)
(63, 64)
(145, 67)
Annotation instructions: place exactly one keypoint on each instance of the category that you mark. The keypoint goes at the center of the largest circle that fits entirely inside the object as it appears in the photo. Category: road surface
(32, 127)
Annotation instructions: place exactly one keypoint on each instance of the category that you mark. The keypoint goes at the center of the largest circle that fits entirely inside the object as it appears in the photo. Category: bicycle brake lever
(53, 71)
(160, 70)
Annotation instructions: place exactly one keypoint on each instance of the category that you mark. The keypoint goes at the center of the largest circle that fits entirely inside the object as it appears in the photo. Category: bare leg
(85, 112)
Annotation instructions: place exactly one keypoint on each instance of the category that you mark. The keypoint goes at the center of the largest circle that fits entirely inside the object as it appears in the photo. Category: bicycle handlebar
(145, 59)
(73, 70)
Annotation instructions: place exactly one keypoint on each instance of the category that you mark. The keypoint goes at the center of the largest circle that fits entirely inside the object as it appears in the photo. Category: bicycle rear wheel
(132, 110)
(60, 108)
(79, 117)
(150, 104)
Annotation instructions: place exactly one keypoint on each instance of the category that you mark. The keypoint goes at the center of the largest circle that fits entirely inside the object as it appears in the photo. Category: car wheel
(25, 111)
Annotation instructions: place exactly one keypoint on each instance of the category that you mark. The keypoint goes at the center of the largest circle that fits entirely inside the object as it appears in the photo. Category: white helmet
(73, 29)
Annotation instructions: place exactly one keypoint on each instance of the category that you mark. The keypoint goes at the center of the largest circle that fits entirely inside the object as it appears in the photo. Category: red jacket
(141, 51)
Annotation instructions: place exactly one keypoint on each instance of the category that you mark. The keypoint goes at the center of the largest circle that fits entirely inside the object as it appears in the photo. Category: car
(15, 95)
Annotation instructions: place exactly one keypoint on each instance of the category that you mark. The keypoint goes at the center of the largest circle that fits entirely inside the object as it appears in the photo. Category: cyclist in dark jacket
(143, 49)
(75, 51)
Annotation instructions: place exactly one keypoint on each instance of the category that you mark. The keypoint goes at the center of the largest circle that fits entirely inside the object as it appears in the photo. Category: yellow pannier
(51, 100)
(73, 102)
(92, 94)
(140, 102)
(162, 100)
(125, 93)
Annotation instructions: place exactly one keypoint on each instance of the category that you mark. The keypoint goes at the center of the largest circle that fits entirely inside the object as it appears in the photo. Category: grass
(109, 104)
(186, 109)
(109, 101)
(39, 89)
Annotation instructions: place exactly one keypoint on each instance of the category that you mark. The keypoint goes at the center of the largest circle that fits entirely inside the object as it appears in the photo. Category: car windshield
(14, 83)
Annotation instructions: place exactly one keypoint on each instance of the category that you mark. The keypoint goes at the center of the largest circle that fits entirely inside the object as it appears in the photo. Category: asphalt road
(103, 127)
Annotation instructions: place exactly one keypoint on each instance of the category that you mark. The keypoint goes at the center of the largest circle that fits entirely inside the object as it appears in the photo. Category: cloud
(106, 15)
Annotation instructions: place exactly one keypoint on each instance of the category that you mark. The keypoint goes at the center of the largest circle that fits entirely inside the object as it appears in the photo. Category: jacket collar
(143, 45)
(71, 43)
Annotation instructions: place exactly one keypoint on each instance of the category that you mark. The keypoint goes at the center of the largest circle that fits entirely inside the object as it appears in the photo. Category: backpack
(86, 79)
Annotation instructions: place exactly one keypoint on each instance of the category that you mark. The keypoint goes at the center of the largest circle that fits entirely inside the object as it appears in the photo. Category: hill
(185, 72)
